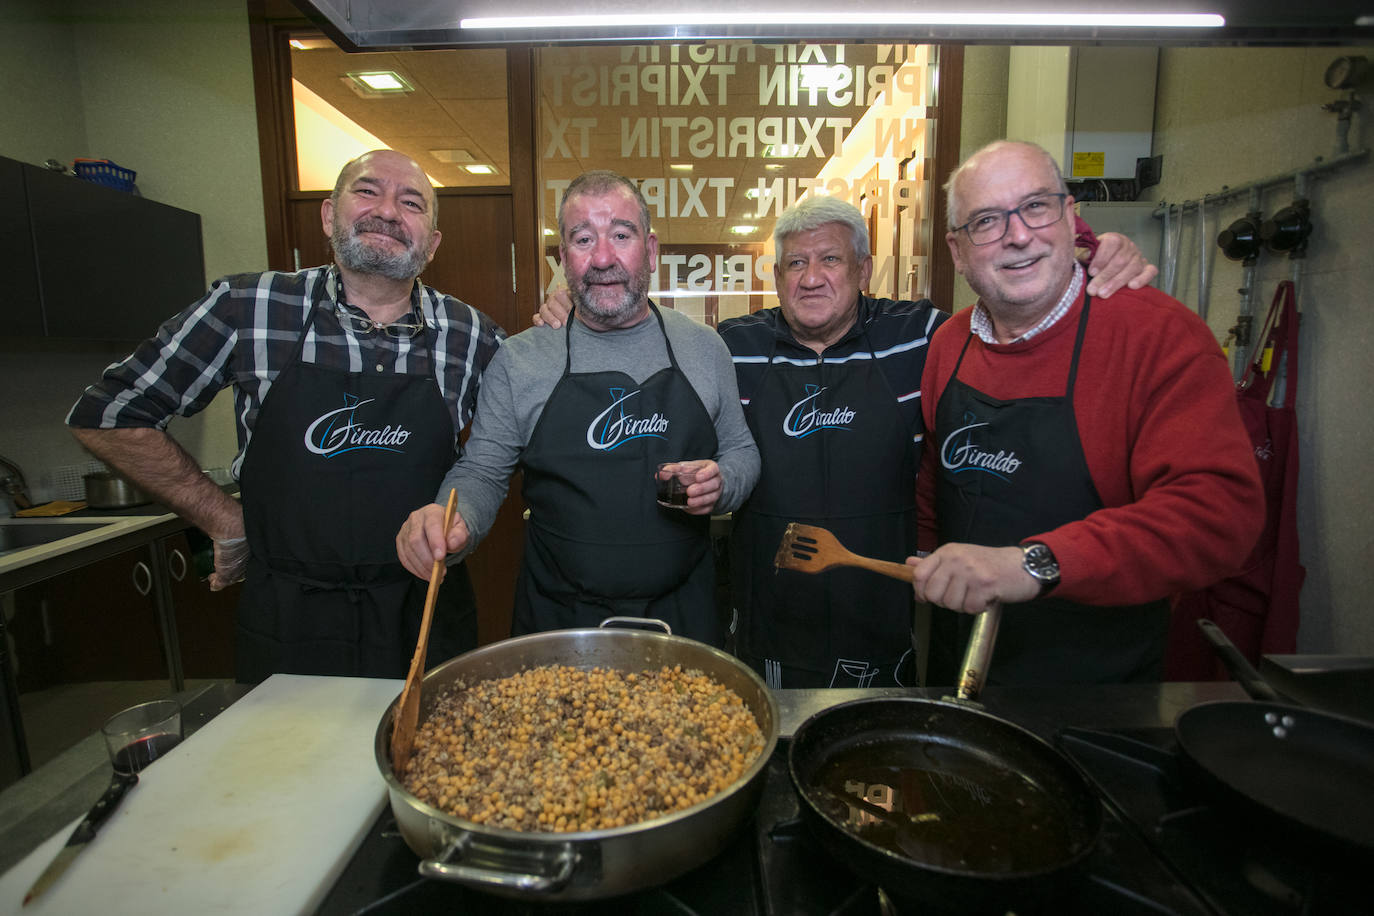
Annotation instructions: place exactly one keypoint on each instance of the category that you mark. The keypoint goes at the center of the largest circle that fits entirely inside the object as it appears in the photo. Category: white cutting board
(256, 813)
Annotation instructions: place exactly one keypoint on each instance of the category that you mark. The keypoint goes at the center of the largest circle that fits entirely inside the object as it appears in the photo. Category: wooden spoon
(408, 707)
(809, 549)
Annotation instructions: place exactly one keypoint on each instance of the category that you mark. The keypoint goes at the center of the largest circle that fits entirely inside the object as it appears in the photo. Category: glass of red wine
(672, 478)
(137, 736)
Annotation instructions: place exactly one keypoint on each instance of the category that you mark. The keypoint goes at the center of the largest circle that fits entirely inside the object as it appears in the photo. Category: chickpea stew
(558, 749)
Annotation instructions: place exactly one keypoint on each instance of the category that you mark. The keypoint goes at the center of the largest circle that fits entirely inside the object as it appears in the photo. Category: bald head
(994, 150)
(390, 157)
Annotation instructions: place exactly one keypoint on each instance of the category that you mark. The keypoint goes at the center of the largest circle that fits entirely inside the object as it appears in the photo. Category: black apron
(836, 453)
(337, 462)
(1037, 480)
(597, 544)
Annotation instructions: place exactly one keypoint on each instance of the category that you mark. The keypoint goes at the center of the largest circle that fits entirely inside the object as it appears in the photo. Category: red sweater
(1156, 412)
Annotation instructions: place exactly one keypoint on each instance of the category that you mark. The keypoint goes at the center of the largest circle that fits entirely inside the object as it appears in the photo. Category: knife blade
(120, 784)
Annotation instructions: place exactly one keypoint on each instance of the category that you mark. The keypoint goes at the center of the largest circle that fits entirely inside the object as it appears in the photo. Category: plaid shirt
(980, 322)
(243, 332)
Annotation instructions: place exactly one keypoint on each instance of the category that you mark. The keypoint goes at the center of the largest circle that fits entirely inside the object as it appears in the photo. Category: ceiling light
(744, 229)
(752, 193)
(310, 44)
(1086, 19)
(480, 168)
(772, 166)
(781, 150)
(381, 82)
(680, 166)
(451, 155)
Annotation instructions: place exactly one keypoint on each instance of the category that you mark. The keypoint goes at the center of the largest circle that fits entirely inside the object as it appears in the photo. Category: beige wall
(164, 88)
(1226, 117)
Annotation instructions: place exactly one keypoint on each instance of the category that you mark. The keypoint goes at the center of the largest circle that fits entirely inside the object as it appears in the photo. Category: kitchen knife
(83, 834)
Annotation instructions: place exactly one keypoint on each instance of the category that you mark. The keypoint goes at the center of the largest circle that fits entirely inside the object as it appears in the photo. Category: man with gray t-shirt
(588, 412)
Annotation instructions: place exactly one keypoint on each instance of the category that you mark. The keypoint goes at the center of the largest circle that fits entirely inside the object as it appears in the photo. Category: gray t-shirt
(522, 375)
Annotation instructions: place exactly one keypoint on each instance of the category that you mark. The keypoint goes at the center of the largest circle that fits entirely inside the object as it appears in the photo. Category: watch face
(1040, 563)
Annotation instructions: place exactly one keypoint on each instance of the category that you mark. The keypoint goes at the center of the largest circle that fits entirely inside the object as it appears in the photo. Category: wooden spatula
(408, 708)
(807, 548)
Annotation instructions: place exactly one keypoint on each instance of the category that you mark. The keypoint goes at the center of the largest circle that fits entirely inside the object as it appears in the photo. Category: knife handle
(103, 808)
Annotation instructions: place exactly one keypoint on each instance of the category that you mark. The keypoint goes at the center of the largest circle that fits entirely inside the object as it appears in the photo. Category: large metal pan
(1304, 775)
(592, 864)
(944, 805)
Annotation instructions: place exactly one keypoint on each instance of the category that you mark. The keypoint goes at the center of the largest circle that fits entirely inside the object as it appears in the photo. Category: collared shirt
(980, 322)
(244, 331)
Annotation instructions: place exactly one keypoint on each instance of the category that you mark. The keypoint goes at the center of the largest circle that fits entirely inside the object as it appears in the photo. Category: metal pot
(107, 490)
(591, 864)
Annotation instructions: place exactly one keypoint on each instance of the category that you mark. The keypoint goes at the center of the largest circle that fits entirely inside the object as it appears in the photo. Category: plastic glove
(231, 561)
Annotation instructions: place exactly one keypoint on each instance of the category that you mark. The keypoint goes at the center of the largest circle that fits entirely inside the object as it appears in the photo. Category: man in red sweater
(1084, 460)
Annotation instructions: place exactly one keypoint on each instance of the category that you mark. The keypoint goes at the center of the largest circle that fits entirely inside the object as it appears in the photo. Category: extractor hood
(364, 25)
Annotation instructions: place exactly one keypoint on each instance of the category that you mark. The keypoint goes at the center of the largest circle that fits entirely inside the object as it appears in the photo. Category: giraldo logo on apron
(806, 417)
(338, 432)
(614, 426)
(959, 453)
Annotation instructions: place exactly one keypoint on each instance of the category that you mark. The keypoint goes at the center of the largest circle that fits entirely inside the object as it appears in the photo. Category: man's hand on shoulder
(1117, 263)
(555, 309)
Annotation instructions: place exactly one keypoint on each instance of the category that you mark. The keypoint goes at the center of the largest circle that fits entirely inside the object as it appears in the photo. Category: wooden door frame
(270, 24)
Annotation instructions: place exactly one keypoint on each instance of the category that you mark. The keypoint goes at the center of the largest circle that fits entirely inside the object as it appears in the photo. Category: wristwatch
(1038, 560)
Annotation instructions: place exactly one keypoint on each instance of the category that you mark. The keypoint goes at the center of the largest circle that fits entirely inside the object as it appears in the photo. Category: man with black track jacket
(830, 381)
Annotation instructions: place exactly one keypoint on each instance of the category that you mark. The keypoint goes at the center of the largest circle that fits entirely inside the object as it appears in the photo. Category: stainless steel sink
(22, 533)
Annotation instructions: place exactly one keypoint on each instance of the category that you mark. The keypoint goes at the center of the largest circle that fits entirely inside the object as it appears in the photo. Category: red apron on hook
(1258, 608)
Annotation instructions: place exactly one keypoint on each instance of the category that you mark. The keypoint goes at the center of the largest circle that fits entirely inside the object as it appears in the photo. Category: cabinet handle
(147, 585)
(176, 565)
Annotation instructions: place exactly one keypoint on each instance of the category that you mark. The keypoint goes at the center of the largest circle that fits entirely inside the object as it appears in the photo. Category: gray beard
(616, 312)
(356, 255)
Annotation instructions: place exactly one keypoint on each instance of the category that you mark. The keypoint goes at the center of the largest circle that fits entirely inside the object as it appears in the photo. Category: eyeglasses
(1036, 213)
(399, 330)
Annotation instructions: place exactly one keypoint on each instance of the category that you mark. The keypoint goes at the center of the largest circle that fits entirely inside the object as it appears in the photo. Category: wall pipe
(1204, 248)
(1316, 167)
(1245, 322)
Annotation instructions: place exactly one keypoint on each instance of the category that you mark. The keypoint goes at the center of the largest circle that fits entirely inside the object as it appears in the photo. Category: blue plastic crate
(105, 172)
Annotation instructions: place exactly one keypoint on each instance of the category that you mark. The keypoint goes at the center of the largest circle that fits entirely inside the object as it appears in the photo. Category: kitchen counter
(118, 531)
(49, 798)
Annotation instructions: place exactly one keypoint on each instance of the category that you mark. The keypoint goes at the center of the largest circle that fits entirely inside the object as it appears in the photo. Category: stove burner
(1160, 854)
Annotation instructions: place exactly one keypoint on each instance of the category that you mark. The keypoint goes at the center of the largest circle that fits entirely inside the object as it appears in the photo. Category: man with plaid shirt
(351, 384)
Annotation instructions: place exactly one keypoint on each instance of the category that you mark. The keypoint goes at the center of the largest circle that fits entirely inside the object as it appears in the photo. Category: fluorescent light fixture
(549, 232)
(680, 166)
(386, 81)
(480, 169)
(781, 150)
(1097, 20)
(744, 229)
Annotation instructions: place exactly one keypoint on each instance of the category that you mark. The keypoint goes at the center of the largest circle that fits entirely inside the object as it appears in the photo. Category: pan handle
(532, 870)
(1239, 666)
(973, 672)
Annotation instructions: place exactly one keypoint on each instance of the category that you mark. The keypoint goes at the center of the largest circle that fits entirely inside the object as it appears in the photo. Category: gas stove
(1161, 853)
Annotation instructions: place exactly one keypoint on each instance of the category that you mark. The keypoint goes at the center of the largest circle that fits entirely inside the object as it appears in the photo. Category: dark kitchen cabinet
(97, 623)
(23, 307)
(106, 264)
(204, 619)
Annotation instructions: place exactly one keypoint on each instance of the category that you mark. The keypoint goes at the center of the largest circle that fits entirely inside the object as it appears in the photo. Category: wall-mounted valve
(1240, 241)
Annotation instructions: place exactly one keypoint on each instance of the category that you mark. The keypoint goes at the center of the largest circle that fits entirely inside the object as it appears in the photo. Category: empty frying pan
(1303, 775)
